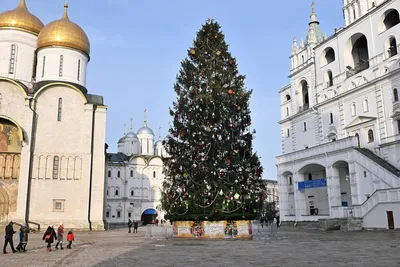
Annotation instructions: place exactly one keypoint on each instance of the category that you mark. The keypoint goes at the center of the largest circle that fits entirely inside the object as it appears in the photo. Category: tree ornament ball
(218, 52)
(231, 92)
(193, 52)
(231, 62)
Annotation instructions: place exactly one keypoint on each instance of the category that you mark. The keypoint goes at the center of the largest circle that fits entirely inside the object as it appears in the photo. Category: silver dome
(159, 143)
(145, 130)
(121, 140)
(130, 135)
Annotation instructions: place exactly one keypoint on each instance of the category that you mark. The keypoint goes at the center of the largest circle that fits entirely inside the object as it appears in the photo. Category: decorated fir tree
(211, 172)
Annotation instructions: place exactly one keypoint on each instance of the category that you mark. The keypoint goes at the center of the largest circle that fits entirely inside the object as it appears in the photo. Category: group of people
(22, 236)
(49, 236)
(135, 225)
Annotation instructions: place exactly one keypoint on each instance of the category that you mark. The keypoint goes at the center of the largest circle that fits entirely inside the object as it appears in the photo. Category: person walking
(25, 230)
(273, 227)
(135, 226)
(9, 238)
(60, 235)
(49, 237)
(20, 238)
(129, 225)
(70, 238)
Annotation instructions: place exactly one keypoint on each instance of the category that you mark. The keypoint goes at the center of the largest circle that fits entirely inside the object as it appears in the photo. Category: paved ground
(292, 247)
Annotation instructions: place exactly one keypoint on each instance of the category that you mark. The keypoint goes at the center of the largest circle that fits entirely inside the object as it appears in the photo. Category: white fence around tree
(167, 230)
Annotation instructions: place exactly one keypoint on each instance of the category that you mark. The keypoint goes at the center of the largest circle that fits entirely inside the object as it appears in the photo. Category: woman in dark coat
(49, 236)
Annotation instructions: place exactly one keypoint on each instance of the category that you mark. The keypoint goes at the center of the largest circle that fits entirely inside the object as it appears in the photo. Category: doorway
(390, 220)
(149, 216)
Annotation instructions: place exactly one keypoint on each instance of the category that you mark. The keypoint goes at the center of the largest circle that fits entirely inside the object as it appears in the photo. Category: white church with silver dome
(134, 177)
(52, 131)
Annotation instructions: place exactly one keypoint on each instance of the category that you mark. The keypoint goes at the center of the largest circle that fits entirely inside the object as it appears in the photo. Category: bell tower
(354, 9)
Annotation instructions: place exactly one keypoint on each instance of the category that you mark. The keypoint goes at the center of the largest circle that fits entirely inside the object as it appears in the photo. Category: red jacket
(70, 237)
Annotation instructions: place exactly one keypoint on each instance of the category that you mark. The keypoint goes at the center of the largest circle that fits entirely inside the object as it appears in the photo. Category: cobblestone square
(291, 247)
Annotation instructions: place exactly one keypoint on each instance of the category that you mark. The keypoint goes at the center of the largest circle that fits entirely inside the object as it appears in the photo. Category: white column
(299, 196)
(283, 197)
(334, 193)
(354, 184)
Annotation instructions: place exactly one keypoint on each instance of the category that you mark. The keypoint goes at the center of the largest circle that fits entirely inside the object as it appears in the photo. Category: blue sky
(137, 47)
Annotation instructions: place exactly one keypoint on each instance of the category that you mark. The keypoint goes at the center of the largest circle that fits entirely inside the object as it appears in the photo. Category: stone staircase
(381, 168)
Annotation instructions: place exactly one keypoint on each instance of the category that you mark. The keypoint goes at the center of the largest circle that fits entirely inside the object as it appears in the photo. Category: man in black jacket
(9, 237)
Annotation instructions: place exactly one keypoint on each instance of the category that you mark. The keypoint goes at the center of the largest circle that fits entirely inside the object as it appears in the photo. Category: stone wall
(343, 224)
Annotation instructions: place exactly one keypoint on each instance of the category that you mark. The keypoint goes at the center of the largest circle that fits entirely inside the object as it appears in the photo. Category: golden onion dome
(64, 33)
(21, 19)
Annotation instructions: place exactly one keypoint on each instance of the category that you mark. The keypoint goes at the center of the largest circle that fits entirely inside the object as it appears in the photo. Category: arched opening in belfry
(391, 19)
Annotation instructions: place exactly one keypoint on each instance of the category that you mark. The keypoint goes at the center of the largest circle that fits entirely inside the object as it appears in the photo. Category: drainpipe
(31, 157)
(91, 165)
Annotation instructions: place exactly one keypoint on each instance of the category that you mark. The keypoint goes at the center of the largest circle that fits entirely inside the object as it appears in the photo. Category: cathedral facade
(134, 178)
(340, 121)
(52, 131)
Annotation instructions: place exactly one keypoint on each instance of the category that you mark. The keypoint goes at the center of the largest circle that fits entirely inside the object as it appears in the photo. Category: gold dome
(20, 18)
(64, 33)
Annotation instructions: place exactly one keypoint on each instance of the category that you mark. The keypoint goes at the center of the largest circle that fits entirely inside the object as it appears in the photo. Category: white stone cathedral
(52, 131)
(134, 178)
(340, 121)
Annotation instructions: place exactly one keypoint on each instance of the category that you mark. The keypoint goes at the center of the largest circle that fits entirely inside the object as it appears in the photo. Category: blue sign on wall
(312, 184)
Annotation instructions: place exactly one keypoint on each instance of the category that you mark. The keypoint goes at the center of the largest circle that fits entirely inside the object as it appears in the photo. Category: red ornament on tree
(170, 196)
(231, 92)
(175, 134)
(228, 160)
(245, 209)
(230, 62)
(222, 173)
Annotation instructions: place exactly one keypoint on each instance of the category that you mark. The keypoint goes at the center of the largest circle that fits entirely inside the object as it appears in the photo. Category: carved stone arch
(108, 208)
(119, 208)
(4, 205)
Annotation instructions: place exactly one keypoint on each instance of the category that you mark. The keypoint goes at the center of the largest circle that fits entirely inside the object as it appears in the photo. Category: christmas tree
(211, 172)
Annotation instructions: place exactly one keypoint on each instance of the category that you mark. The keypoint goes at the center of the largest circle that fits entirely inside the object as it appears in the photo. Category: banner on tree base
(218, 229)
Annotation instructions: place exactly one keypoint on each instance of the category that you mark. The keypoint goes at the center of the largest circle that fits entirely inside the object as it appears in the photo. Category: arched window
(60, 71)
(56, 163)
(330, 78)
(12, 59)
(290, 180)
(359, 52)
(392, 49)
(310, 176)
(109, 173)
(131, 173)
(365, 105)
(331, 118)
(391, 19)
(116, 192)
(398, 126)
(154, 174)
(288, 97)
(304, 90)
(118, 174)
(79, 70)
(353, 109)
(43, 66)
(395, 95)
(370, 136)
(329, 55)
(59, 109)
(132, 193)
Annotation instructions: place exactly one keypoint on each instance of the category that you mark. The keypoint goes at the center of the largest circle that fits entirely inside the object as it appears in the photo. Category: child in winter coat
(70, 238)
(20, 238)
